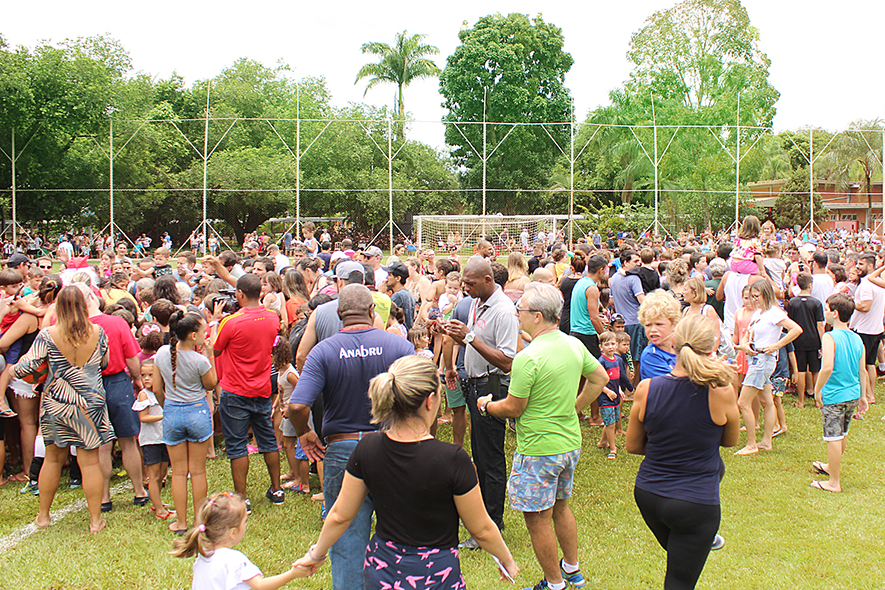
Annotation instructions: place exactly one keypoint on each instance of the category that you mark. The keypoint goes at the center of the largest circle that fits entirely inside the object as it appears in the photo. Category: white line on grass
(16, 537)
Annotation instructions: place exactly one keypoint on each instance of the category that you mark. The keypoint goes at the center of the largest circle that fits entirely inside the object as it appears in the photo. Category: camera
(228, 298)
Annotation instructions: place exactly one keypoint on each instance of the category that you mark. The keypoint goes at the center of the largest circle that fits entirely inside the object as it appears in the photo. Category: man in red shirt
(123, 352)
(245, 339)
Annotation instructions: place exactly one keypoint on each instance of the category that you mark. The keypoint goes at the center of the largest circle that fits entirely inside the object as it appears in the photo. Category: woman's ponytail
(694, 339)
(400, 392)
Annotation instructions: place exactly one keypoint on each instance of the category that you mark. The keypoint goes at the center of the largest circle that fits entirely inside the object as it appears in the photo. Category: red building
(848, 208)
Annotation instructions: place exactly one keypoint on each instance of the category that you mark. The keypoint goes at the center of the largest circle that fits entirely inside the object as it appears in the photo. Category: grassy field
(781, 534)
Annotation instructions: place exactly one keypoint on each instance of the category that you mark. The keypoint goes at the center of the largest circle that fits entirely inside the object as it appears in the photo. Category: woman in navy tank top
(678, 422)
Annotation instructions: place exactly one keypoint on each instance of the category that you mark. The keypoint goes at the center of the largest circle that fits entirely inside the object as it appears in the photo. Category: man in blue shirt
(339, 369)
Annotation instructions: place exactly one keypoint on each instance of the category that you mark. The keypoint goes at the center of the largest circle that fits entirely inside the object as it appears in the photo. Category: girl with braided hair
(183, 381)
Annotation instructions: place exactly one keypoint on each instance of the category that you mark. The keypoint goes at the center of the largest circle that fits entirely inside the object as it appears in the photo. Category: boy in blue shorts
(839, 388)
(610, 398)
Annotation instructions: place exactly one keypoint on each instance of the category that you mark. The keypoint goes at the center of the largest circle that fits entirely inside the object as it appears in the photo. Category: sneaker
(470, 543)
(718, 543)
(30, 488)
(539, 586)
(276, 497)
(323, 511)
(575, 578)
(76, 483)
(248, 506)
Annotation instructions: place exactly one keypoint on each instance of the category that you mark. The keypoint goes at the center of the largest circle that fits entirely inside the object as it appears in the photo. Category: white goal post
(503, 231)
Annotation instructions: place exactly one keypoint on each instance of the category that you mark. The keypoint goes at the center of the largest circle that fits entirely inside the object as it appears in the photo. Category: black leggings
(685, 530)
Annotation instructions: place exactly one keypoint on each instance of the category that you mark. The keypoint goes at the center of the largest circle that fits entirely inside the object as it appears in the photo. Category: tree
(791, 205)
(702, 53)
(857, 155)
(508, 69)
(401, 64)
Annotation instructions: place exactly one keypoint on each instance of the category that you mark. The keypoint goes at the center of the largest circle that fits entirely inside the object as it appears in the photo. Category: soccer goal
(508, 233)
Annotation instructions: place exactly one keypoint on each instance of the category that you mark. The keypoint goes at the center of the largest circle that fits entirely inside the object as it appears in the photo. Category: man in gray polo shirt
(489, 339)
(627, 295)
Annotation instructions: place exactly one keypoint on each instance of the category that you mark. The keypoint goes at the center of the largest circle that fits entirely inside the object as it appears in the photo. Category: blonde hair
(696, 287)
(694, 340)
(220, 512)
(766, 293)
(659, 304)
(517, 267)
(398, 393)
(677, 271)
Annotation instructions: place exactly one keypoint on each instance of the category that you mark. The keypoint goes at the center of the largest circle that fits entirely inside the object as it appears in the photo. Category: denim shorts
(536, 483)
(237, 414)
(759, 370)
(186, 422)
(120, 397)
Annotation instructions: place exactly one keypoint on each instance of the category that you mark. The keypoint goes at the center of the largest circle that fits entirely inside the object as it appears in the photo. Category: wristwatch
(468, 337)
(483, 411)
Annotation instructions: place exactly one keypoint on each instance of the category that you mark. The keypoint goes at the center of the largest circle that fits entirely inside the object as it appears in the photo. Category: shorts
(186, 422)
(154, 454)
(237, 414)
(759, 370)
(591, 343)
(610, 414)
(871, 347)
(808, 360)
(778, 386)
(837, 419)
(638, 341)
(455, 397)
(536, 482)
(120, 397)
(287, 428)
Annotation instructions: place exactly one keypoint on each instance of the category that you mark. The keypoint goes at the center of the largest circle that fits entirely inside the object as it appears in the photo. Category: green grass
(780, 533)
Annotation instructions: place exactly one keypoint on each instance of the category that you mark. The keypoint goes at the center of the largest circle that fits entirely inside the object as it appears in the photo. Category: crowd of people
(348, 362)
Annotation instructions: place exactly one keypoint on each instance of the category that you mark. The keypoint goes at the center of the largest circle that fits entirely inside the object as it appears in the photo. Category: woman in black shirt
(420, 487)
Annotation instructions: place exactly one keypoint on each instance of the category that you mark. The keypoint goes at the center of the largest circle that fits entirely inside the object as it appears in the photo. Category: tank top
(682, 454)
(844, 383)
(733, 297)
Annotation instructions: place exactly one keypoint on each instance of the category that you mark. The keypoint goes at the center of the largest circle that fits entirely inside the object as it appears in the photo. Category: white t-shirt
(765, 328)
(869, 322)
(380, 278)
(822, 286)
(225, 569)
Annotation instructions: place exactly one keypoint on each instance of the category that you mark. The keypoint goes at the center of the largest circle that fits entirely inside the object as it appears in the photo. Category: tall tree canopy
(518, 66)
(401, 64)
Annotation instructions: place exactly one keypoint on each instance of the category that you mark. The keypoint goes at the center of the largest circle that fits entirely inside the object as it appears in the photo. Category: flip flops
(819, 468)
(7, 413)
(819, 486)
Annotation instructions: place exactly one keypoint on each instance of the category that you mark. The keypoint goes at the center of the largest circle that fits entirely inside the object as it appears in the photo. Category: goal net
(508, 233)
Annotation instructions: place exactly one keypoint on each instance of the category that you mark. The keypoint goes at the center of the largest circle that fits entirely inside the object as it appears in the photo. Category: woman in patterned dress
(73, 411)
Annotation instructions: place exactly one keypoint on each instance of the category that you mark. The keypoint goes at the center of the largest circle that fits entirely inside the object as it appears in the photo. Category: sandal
(612, 455)
(291, 485)
(7, 413)
(819, 468)
(168, 514)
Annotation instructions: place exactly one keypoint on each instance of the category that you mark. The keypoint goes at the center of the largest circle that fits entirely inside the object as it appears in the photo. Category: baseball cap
(373, 251)
(347, 267)
(17, 259)
(251, 245)
(398, 269)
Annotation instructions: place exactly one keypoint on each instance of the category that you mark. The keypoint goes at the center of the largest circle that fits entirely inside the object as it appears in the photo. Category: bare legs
(544, 540)
(745, 403)
(131, 463)
(27, 408)
(92, 484)
(835, 450)
(188, 458)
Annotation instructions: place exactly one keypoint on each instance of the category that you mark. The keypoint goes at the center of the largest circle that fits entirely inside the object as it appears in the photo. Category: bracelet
(311, 555)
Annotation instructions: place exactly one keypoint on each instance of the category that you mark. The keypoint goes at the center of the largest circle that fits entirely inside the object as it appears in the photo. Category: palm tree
(857, 154)
(400, 65)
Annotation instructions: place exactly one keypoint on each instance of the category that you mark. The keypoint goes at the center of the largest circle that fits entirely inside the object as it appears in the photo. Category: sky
(824, 54)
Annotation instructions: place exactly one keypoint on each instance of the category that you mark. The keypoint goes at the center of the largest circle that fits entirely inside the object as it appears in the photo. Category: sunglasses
(49, 267)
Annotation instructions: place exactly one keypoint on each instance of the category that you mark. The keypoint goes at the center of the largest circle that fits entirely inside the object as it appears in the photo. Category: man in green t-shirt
(544, 380)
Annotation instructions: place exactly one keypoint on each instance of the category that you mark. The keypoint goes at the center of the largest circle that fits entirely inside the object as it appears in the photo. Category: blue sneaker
(542, 585)
(575, 578)
(323, 511)
(30, 488)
